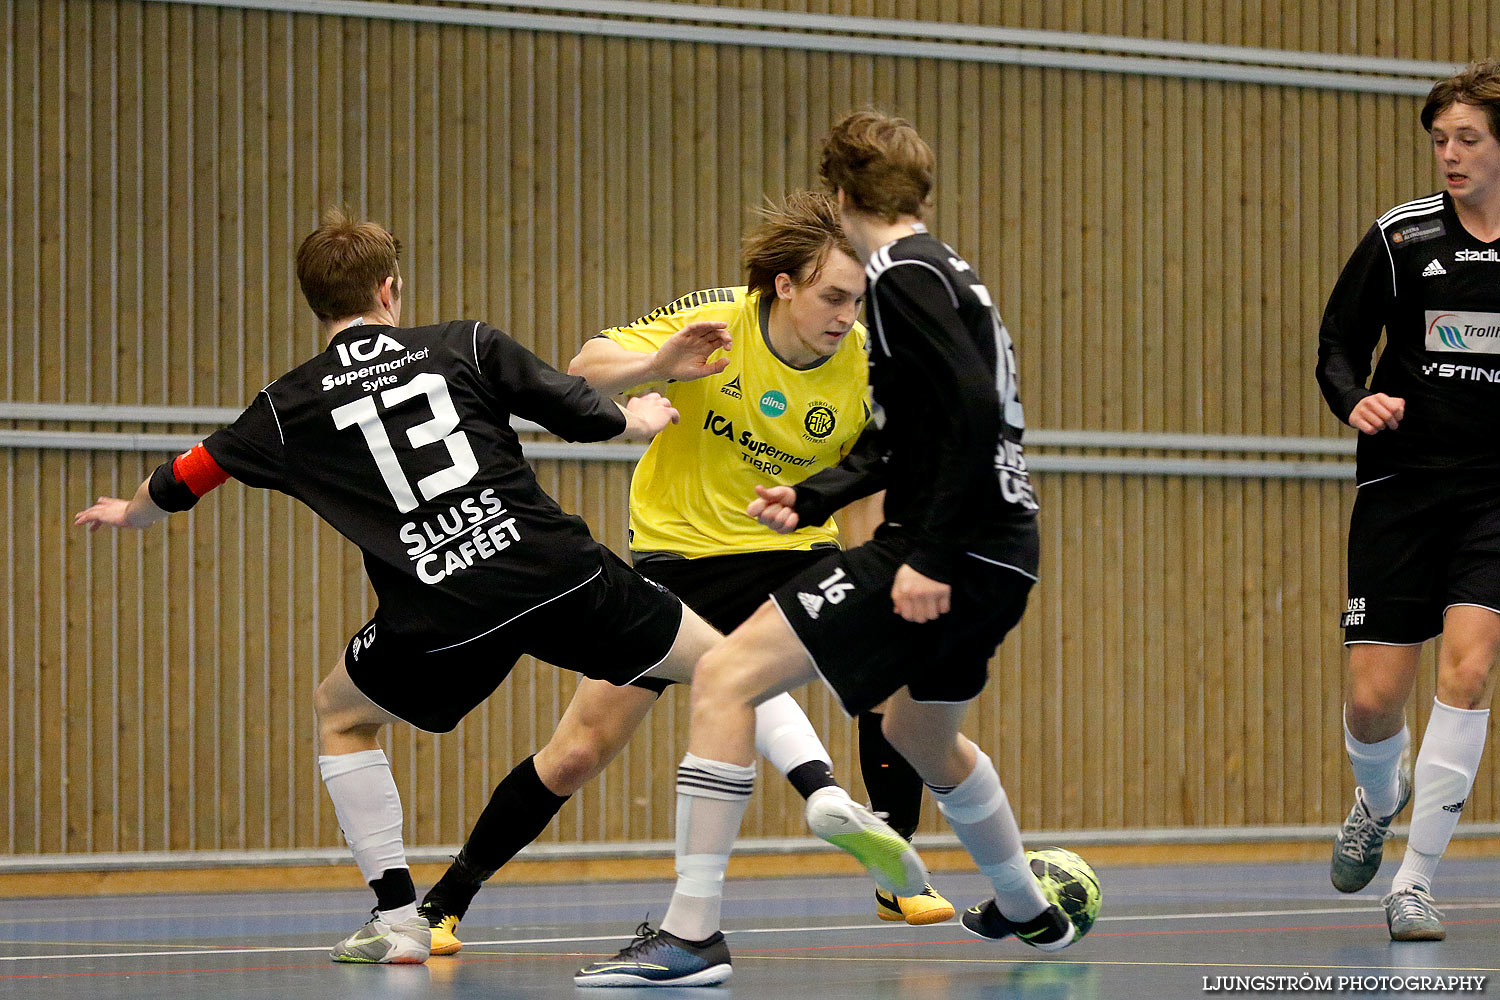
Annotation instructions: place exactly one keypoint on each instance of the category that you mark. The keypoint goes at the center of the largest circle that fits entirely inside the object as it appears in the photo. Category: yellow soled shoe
(926, 907)
(444, 930)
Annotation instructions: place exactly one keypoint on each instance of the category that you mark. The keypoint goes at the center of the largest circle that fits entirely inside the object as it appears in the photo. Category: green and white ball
(1068, 881)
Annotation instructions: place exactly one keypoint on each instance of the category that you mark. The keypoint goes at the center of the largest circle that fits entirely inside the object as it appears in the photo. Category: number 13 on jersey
(441, 429)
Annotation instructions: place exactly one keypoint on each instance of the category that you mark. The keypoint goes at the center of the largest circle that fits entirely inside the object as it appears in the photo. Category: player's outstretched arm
(772, 507)
(683, 357)
(646, 416)
(137, 512)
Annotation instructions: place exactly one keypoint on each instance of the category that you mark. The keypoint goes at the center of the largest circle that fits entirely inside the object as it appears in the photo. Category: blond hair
(342, 264)
(880, 163)
(794, 235)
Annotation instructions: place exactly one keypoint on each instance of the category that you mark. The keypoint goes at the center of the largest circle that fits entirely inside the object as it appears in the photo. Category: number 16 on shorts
(835, 588)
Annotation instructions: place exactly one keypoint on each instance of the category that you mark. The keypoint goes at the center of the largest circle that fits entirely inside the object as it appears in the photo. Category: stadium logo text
(1491, 256)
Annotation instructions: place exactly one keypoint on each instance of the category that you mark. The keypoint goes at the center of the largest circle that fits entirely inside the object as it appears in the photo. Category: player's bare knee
(1373, 698)
(325, 705)
(1468, 682)
(570, 766)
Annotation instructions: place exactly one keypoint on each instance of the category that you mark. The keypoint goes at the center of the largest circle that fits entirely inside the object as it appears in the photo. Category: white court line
(511, 942)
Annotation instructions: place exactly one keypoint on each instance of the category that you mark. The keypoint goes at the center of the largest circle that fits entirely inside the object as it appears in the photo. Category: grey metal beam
(850, 44)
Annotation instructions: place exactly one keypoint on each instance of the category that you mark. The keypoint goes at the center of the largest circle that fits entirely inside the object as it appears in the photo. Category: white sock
(1445, 771)
(1377, 768)
(785, 737)
(711, 801)
(979, 812)
(400, 913)
(368, 808)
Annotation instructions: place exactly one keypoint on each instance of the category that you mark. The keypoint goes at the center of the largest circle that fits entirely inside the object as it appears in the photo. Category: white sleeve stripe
(1432, 201)
(272, 404)
(1415, 213)
(475, 339)
(1392, 258)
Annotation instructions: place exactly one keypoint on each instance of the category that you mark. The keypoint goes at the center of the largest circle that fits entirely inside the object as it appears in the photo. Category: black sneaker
(656, 958)
(1050, 930)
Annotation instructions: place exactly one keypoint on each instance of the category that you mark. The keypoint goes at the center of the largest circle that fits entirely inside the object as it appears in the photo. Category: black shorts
(1420, 543)
(614, 627)
(727, 590)
(841, 611)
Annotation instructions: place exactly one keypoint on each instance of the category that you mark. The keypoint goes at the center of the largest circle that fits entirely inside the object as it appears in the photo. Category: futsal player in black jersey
(1424, 537)
(401, 439)
(912, 616)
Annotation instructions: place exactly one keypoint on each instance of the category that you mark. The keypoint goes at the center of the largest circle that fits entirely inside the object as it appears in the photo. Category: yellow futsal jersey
(758, 421)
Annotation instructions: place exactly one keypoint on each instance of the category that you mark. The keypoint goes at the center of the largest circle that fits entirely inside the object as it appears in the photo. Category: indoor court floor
(1165, 931)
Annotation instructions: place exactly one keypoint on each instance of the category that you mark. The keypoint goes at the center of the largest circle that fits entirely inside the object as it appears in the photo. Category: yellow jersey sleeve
(654, 329)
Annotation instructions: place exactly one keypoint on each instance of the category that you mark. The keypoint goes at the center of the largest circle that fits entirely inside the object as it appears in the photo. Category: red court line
(243, 968)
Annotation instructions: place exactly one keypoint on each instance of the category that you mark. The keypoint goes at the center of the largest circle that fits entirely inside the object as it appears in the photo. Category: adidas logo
(1456, 807)
(1433, 270)
(811, 603)
(732, 387)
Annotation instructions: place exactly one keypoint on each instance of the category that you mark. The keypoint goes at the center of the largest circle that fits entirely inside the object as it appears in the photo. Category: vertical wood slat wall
(1161, 249)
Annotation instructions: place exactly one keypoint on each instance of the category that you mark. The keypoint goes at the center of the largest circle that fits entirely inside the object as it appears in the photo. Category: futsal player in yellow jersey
(771, 383)
(777, 414)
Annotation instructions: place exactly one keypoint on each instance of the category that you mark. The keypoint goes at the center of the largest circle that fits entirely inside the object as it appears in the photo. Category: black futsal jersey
(1435, 290)
(401, 439)
(945, 442)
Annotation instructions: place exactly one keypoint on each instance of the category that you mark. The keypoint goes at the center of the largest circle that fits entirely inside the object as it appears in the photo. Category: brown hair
(342, 264)
(1478, 85)
(880, 163)
(798, 232)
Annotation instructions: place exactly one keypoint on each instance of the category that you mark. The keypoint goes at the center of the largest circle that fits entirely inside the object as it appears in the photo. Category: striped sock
(711, 801)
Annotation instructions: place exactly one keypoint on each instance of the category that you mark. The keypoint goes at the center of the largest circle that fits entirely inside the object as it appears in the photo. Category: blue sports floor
(1164, 932)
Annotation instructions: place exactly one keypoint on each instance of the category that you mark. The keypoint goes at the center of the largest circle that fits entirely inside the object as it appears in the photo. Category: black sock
(394, 889)
(894, 787)
(808, 778)
(518, 811)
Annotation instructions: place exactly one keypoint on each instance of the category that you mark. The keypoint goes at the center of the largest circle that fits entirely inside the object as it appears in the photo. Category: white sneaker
(844, 823)
(406, 942)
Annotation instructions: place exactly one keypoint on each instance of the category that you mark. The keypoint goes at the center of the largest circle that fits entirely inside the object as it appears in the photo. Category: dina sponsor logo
(773, 403)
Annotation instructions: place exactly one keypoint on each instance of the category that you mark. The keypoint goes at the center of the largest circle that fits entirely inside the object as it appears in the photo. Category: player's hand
(110, 511)
(919, 598)
(1376, 413)
(684, 357)
(772, 507)
(652, 413)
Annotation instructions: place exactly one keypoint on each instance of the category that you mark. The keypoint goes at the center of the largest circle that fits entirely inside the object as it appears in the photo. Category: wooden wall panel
(1160, 247)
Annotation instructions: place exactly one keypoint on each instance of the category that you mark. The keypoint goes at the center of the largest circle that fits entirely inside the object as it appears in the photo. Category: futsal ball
(1069, 882)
